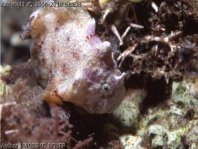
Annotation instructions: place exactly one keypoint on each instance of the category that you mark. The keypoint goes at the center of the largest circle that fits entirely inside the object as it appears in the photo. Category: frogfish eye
(106, 89)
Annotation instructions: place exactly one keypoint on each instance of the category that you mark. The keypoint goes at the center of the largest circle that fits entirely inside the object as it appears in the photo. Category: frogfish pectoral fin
(51, 97)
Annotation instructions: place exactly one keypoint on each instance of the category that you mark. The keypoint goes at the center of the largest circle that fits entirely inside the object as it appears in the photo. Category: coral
(26, 128)
(25, 124)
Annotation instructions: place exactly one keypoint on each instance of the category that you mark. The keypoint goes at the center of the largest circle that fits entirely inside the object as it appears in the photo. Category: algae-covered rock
(172, 124)
(131, 142)
(184, 99)
(192, 135)
(4, 70)
(157, 135)
(161, 137)
(174, 138)
(3, 88)
(128, 112)
(194, 88)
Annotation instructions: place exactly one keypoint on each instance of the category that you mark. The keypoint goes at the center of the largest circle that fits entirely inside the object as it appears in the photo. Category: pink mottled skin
(71, 62)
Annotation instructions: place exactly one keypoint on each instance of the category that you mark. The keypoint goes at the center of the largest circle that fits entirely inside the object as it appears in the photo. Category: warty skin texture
(71, 62)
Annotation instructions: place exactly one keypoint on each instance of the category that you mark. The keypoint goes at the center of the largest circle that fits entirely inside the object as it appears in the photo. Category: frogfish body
(71, 62)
